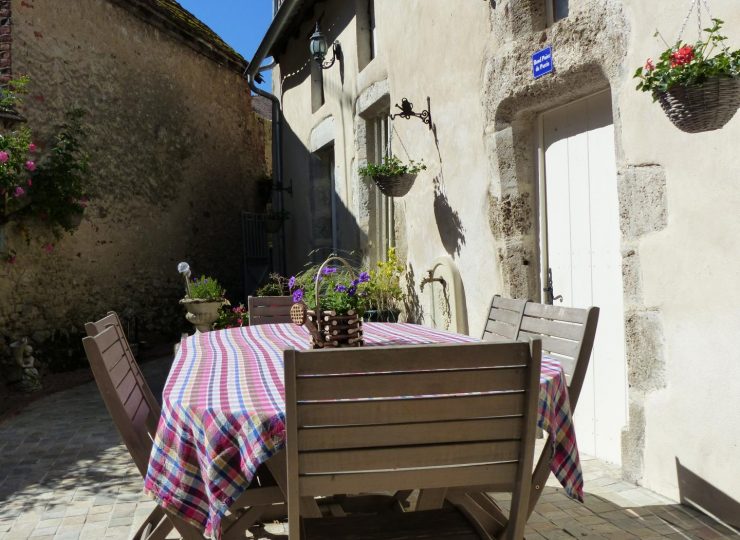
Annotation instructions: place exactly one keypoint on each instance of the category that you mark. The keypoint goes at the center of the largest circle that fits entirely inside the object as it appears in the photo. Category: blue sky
(240, 23)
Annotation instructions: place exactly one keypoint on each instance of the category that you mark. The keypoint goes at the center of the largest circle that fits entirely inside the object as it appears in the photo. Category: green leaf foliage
(690, 64)
(206, 288)
(391, 166)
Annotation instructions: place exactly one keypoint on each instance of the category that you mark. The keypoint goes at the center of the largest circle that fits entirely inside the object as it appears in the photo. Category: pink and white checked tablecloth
(223, 414)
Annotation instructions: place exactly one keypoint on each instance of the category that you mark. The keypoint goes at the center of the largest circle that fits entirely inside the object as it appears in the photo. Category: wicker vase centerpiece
(329, 328)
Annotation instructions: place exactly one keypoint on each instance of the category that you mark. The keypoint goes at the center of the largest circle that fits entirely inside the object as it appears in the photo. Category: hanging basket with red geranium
(697, 85)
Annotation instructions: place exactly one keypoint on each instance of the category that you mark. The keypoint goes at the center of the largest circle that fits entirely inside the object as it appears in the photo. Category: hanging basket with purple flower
(329, 301)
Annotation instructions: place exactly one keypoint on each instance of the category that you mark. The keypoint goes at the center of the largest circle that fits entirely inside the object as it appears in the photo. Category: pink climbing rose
(31, 147)
(4, 156)
(19, 192)
(31, 165)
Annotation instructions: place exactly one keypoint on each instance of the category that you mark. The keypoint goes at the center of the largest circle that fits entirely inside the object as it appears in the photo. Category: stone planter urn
(202, 313)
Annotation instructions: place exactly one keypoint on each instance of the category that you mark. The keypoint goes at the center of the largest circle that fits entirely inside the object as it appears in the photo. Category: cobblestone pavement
(64, 474)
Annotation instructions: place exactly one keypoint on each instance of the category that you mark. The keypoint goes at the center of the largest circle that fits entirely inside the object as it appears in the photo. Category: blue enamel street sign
(542, 62)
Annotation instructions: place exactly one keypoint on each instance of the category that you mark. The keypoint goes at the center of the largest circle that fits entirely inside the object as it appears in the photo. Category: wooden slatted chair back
(112, 319)
(269, 309)
(397, 418)
(567, 334)
(123, 392)
(504, 318)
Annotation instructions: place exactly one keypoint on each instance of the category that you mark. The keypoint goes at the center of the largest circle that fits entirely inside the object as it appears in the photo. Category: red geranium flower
(682, 56)
(649, 65)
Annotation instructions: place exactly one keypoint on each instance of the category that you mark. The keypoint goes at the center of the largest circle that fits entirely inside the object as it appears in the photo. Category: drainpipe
(277, 141)
(279, 22)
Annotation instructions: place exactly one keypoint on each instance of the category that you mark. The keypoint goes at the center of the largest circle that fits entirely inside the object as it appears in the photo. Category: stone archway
(588, 54)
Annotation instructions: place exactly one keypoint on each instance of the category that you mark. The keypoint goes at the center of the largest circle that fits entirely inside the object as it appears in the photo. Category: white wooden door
(583, 251)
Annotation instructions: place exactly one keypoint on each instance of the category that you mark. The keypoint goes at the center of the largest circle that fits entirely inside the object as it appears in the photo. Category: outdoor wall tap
(431, 279)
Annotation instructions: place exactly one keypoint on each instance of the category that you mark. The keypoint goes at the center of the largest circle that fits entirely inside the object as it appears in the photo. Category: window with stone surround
(317, 86)
(366, 35)
(382, 218)
(556, 10)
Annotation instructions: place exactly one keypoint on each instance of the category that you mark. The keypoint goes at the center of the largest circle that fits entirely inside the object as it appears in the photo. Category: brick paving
(64, 474)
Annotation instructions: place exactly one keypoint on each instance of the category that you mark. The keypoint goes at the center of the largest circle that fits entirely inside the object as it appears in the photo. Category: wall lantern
(319, 47)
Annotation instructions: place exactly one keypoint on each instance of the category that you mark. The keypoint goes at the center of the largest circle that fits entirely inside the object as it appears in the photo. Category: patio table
(223, 414)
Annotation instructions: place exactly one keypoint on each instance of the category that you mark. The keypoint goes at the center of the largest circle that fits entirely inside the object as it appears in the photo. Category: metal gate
(257, 249)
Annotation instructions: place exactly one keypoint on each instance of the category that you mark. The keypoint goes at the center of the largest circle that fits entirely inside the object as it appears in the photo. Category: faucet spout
(431, 279)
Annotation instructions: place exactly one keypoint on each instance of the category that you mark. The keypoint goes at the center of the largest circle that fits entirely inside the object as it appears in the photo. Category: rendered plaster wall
(174, 151)
(689, 256)
(478, 199)
(677, 201)
(446, 213)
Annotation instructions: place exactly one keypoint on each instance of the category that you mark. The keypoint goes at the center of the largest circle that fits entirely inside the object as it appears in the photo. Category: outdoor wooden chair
(135, 413)
(416, 417)
(504, 319)
(269, 309)
(567, 334)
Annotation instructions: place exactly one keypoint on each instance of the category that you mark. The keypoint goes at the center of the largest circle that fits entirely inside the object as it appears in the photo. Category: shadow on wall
(449, 225)
(697, 492)
(312, 221)
(412, 305)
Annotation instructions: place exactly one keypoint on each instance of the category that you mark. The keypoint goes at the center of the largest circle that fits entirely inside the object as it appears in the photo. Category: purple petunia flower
(297, 295)
(364, 277)
(291, 282)
(351, 291)
(329, 270)
(340, 288)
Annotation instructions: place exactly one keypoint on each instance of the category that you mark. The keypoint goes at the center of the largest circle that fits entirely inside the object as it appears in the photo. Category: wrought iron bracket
(407, 111)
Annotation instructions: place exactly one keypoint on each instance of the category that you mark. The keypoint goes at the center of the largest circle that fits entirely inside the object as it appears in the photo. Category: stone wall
(175, 150)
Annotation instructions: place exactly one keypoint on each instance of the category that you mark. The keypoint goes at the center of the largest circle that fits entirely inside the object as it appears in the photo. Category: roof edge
(206, 42)
(280, 23)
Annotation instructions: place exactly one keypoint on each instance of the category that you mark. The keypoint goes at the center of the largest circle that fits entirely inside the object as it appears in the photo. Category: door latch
(548, 290)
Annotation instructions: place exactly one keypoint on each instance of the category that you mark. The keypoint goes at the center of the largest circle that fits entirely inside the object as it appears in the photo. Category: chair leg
(152, 523)
(430, 499)
(242, 523)
(486, 525)
(187, 530)
(539, 476)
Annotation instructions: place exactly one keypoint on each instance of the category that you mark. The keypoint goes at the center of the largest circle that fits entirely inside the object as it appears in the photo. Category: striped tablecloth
(223, 414)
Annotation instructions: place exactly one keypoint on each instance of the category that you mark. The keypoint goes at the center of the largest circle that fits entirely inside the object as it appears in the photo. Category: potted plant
(384, 290)
(697, 85)
(276, 285)
(203, 300)
(232, 317)
(393, 177)
(329, 301)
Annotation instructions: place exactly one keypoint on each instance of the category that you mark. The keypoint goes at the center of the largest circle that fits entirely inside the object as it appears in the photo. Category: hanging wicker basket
(394, 186)
(328, 329)
(695, 109)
